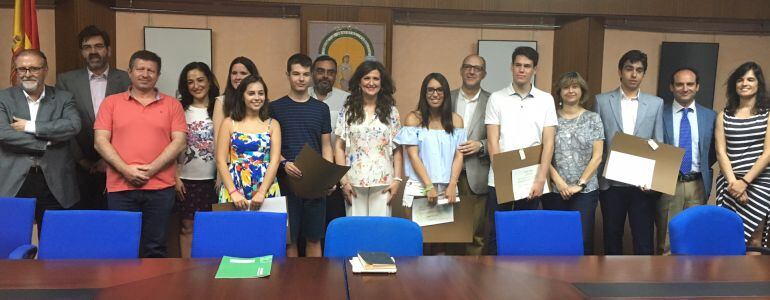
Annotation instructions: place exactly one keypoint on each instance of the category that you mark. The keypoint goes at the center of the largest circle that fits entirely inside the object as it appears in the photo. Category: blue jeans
(492, 207)
(585, 203)
(156, 207)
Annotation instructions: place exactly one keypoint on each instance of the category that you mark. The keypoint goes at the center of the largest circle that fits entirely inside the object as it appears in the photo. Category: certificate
(425, 214)
(630, 169)
(522, 180)
(275, 205)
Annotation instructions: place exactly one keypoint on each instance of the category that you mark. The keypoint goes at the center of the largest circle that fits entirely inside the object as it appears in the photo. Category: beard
(323, 87)
(95, 64)
(29, 86)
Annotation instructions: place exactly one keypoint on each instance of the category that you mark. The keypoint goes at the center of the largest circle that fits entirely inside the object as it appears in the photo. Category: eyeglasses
(467, 67)
(89, 47)
(33, 70)
(439, 91)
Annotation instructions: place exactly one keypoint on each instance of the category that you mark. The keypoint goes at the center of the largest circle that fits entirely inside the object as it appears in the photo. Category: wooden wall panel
(579, 46)
(71, 17)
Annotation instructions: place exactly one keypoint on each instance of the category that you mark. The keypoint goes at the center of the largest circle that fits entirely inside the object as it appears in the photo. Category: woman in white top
(196, 167)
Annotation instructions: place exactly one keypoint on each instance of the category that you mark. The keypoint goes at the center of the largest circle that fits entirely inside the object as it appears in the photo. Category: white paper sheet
(522, 180)
(275, 205)
(425, 214)
(630, 169)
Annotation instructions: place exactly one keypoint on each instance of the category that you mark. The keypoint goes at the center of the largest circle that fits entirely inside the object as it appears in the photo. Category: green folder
(237, 267)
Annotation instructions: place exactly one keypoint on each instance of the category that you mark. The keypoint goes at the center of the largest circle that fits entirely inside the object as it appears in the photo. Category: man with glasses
(324, 76)
(89, 86)
(470, 102)
(520, 116)
(37, 123)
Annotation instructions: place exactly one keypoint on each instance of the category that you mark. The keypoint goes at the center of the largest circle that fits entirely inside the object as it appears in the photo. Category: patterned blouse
(574, 147)
(369, 148)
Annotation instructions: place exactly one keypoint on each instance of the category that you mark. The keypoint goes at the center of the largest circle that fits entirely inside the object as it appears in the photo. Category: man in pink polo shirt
(139, 133)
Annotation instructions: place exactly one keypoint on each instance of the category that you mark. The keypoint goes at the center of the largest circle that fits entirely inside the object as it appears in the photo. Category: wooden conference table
(423, 278)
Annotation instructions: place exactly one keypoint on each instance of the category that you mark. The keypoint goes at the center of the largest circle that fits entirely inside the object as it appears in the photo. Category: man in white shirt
(630, 111)
(324, 76)
(687, 125)
(37, 123)
(470, 102)
(517, 117)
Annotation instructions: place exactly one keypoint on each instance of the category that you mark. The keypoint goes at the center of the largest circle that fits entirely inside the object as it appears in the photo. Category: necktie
(685, 141)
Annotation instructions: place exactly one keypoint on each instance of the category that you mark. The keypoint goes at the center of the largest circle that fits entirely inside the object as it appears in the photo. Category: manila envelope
(318, 174)
(459, 231)
(504, 163)
(667, 158)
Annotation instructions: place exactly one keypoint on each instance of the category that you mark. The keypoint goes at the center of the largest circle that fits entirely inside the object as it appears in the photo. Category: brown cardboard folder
(459, 231)
(318, 174)
(667, 159)
(504, 163)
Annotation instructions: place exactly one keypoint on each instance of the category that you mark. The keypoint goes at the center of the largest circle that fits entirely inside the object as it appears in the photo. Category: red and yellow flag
(25, 34)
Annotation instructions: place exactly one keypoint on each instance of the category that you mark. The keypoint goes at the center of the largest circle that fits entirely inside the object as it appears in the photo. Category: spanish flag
(25, 34)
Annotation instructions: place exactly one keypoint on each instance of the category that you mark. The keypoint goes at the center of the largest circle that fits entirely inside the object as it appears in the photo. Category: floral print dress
(249, 158)
(369, 148)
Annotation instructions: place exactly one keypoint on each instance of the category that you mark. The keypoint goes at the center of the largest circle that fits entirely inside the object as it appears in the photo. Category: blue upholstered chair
(16, 218)
(346, 236)
(539, 232)
(239, 234)
(706, 230)
(90, 234)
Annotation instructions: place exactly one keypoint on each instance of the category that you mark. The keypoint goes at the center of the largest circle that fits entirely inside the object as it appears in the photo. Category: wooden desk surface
(488, 277)
(173, 279)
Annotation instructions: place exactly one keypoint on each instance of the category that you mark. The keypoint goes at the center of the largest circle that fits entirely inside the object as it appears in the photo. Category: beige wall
(266, 41)
(46, 31)
(733, 50)
(442, 49)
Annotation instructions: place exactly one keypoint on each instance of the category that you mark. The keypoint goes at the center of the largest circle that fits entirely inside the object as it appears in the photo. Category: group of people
(104, 138)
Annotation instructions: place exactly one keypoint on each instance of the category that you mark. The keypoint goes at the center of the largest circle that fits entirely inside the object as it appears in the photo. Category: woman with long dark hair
(431, 135)
(196, 168)
(366, 128)
(743, 151)
(249, 148)
(240, 67)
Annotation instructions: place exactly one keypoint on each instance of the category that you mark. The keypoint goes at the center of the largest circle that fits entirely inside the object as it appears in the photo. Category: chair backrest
(707, 230)
(539, 232)
(90, 234)
(347, 236)
(16, 218)
(239, 234)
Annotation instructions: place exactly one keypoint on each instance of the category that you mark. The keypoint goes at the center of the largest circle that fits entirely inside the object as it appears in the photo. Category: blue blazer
(706, 120)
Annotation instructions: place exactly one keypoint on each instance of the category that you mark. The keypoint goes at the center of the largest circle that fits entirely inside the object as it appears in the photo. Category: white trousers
(369, 201)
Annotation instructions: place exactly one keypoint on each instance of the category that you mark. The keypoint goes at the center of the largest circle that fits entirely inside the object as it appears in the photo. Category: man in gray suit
(470, 102)
(37, 123)
(89, 86)
(630, 111)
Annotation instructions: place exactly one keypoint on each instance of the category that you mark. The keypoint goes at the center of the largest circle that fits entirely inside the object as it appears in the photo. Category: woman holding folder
(743, 151)
(577, 154)
(365, 130)
(252, 140)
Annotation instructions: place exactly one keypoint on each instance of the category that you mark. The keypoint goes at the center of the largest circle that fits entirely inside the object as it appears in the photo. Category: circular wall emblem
(346, 32)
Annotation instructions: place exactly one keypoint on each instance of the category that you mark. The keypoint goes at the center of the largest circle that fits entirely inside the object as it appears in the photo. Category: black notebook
(376, 260)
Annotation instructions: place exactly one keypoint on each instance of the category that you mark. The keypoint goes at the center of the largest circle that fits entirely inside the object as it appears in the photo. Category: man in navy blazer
(694, 181)
(630, 111)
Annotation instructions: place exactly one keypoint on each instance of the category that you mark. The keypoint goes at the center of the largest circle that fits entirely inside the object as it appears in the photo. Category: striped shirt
(301, 123)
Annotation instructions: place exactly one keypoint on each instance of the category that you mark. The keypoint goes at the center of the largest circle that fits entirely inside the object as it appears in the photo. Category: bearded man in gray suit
(470, 102)
(37, 123)
(630, 111)
(89, 86)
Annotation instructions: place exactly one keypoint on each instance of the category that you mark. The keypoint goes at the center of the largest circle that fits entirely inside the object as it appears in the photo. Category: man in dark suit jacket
(89, 87)
(37, 123)
(470, 102)
(628, 110)
(685, 122)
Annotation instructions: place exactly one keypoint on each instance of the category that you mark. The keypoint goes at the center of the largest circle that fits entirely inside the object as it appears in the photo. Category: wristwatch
(582, 185)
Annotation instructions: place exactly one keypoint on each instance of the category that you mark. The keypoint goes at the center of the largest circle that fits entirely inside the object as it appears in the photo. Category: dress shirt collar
(472, 99)
(676, 107)
(92, 76)
(623, 95)
(29, 99)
